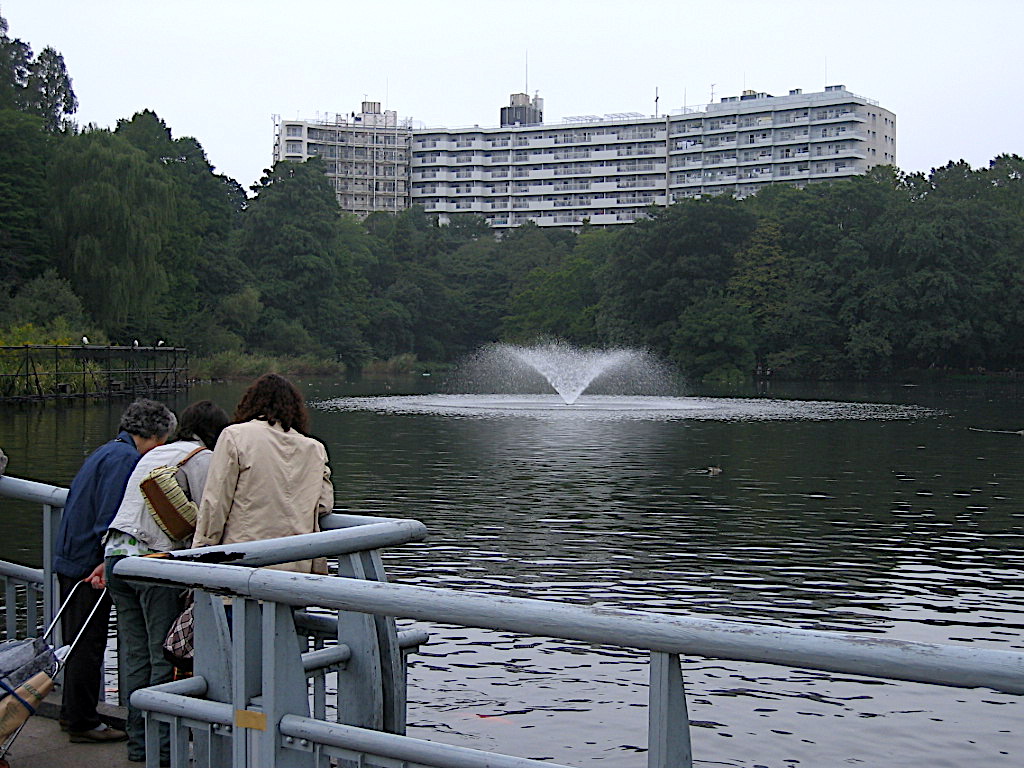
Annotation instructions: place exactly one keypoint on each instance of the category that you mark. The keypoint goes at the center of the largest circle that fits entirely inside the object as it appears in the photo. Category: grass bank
(240, 365)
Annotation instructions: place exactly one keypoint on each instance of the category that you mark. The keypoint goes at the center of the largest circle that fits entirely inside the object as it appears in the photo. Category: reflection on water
(894, 520)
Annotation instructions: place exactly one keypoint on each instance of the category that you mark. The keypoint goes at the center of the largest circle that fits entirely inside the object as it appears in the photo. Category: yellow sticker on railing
(246, 718)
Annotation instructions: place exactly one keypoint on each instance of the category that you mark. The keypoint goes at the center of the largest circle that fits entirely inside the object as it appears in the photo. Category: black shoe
(165, 762)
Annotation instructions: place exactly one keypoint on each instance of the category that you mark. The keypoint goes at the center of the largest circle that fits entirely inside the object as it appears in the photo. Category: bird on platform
(85, 339)
(160, 343)
(135, 343)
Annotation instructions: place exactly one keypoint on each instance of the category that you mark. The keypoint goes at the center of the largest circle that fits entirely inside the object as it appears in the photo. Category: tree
(304, 258)
(678, 256)
(24, 151)
(111, 220)
(49, 93)
(713, 340)
(44, 299)
(15, 68)
(562, 300)
(39, 86)
(201, 265)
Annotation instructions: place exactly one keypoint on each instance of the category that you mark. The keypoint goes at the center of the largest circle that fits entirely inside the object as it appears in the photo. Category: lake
(881, 510)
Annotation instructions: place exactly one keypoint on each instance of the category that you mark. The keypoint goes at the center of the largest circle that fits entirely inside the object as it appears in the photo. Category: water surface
(884, 514)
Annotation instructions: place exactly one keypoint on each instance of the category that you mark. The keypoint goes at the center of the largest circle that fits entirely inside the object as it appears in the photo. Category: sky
(219, 70)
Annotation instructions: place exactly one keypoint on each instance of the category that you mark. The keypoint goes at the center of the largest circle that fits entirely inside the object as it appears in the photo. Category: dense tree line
(130, 233)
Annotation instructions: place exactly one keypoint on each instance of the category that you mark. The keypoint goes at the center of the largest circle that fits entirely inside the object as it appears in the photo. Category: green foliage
(111, 221)
(304, 257)
(24, 151)
(562, 300)
(44, 299)
(713, 340)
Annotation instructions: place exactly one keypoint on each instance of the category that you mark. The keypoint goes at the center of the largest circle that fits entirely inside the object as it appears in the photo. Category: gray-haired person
(92, 501)
(3, 461)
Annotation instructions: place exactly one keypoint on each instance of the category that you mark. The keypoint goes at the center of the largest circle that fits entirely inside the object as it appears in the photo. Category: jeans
(83, 672)
(144, 616)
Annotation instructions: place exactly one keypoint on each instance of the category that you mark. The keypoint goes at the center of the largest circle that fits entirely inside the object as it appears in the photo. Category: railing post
(392, 666)
(668, 729)
(246, 674)
(360, 690)
(284, 688)
(51, 524)
(212, 663)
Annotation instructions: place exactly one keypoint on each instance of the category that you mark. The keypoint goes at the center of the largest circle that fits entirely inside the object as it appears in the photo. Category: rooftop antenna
(713, 92)
(655, 101)
(526, 71)
(826, 71)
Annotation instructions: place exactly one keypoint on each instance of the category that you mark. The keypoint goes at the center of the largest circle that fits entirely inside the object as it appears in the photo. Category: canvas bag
(166, 501)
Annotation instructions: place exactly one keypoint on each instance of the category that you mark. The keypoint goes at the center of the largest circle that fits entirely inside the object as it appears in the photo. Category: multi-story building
(609, 170)
(366, 155)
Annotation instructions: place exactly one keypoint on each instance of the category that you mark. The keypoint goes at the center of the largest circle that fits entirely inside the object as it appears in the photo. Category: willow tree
(112, 217)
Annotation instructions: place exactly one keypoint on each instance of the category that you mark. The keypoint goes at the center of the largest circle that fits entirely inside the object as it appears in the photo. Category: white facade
(609, 170)
(366, 155)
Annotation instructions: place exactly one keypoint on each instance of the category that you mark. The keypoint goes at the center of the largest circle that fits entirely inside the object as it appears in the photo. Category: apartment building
(366, 155)
(610, 169)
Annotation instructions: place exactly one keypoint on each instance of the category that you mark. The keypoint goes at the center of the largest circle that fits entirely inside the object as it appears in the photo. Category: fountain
(568, 370)
(555, 380)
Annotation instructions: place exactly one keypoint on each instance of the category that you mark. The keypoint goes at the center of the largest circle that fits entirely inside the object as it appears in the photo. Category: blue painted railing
(248, 705)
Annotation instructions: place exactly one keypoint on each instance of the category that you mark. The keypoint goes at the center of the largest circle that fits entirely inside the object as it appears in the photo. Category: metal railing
(33, 589)
(265, 732)
(251, 702)
(31, 594)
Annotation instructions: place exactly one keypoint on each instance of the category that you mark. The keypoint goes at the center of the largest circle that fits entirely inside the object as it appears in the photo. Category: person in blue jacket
(92, 501)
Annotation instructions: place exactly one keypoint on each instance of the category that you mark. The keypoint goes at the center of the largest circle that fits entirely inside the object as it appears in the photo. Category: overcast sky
(952, 71)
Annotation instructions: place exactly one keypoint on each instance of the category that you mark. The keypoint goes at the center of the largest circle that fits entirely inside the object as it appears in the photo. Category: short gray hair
(148, 418)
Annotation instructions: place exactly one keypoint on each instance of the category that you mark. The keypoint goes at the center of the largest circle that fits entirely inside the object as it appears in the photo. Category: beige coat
(264, 483)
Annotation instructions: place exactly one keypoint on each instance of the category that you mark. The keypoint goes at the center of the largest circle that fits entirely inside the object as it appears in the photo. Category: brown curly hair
(275, 399)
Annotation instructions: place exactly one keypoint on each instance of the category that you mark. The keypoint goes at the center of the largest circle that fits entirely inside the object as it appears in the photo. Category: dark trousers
(83, 672)
(144, 616)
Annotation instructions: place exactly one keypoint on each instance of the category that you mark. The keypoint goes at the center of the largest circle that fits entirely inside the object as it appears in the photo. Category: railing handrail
(965, 667)
(306, 546)
(30, 490)
(377, 531)
(22, 573)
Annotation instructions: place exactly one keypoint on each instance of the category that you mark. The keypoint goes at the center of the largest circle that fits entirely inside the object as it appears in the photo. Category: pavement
(42, 744)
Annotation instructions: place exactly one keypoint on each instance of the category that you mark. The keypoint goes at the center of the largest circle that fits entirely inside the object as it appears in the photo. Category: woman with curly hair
(267, 478)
